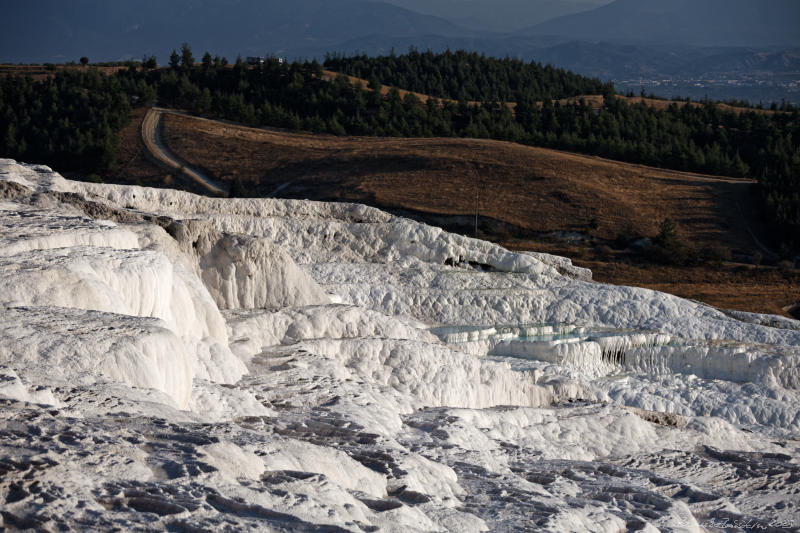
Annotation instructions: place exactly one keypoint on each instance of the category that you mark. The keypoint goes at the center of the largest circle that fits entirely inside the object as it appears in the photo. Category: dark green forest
(468, 76)
(71, 120)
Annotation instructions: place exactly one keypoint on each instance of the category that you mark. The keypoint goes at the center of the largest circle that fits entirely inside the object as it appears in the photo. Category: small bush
(625, 238)
(716, 253)
(238, 189)
(669, 248)
(604, 251)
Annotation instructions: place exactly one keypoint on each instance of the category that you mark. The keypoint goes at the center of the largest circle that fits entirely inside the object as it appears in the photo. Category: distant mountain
(58, 31)
(54, 30)
(498, 15)
(686, 22)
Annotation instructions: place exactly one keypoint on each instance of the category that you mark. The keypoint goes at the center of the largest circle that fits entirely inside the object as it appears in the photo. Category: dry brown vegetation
(663, 104)
(329, 75)
(532, 190)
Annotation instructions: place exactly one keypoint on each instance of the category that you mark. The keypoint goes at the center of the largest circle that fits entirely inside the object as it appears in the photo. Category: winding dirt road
(151, 135)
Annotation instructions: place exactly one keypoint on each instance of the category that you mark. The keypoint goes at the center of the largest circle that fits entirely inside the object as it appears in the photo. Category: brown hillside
(533, 190)
(329, 75)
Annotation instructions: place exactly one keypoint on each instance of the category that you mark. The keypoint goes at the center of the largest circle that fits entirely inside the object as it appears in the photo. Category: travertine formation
(170, 361)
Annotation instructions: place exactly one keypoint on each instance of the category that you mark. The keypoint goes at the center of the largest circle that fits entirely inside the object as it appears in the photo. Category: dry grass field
(532, 191)
(729, 286)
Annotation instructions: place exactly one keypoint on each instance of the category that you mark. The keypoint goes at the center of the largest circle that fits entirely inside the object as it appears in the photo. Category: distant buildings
(258, 60)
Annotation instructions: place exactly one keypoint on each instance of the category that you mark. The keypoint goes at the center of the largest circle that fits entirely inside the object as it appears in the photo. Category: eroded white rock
(129, 400)
(250, 273)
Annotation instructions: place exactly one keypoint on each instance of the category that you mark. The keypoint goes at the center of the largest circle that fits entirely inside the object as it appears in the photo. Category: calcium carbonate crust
(170, 361)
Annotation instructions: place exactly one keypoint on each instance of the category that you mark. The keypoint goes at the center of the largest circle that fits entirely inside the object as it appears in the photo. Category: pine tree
(149, 62)
(187, 61)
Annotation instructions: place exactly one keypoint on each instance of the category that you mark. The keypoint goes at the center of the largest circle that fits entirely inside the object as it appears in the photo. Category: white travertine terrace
(171, 361)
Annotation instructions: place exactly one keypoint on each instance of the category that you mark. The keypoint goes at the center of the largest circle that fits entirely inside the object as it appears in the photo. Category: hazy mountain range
(619, 40)
(498, 15)
(694, 22)
(48, 30)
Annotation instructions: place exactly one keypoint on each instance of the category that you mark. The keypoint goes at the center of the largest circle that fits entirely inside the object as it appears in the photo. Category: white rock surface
(253, 273)
(199, 364)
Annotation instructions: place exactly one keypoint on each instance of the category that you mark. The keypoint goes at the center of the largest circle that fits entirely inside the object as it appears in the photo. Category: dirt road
(152, 139)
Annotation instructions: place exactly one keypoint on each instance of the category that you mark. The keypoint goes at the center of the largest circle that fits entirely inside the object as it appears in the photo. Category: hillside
(756, 74)
(81, 112)
(702, 138)
(595, 101)
(528, 198)
(443, 167)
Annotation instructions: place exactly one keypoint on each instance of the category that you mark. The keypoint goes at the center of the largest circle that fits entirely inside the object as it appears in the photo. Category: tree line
(467, 76)
(72, 119)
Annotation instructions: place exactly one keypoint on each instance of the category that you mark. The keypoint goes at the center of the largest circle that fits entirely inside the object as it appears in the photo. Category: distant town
(753, 91)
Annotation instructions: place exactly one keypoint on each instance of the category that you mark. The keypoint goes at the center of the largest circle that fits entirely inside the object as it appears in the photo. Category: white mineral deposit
(183, 363)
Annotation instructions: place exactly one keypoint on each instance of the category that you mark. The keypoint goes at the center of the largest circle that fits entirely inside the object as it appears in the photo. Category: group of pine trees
(71, 120)
(466, 76)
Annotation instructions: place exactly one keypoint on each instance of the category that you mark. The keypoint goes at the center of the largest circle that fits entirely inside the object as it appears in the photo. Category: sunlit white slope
(174, 362)
(55, 258)
(340, 244)
(80, 346)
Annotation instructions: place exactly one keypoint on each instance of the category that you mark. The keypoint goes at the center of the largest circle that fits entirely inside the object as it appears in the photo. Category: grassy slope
(532, 190)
